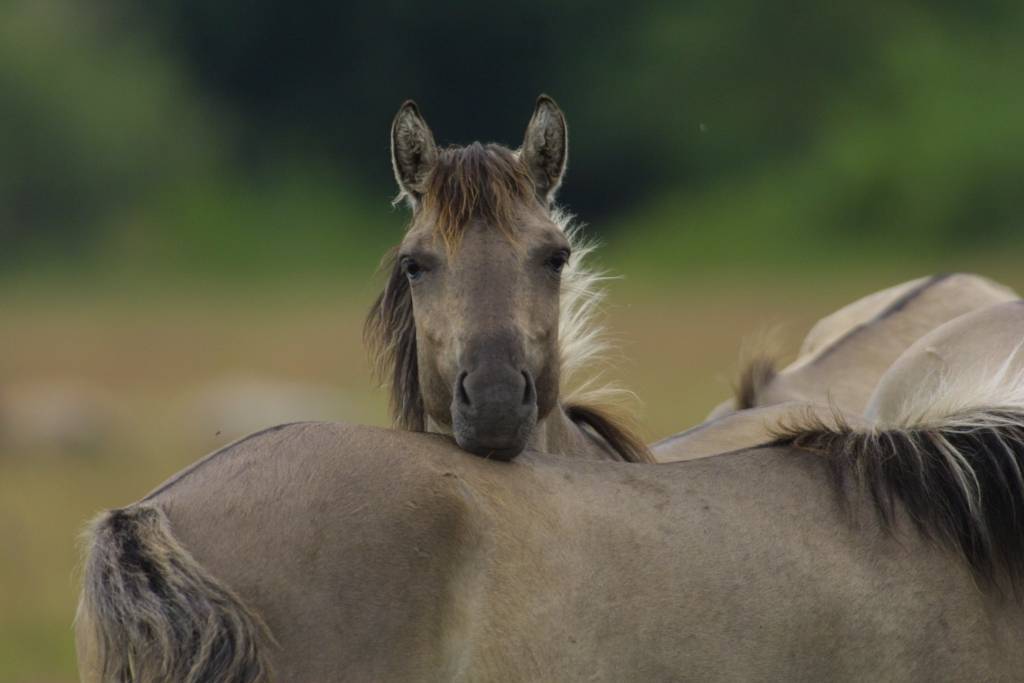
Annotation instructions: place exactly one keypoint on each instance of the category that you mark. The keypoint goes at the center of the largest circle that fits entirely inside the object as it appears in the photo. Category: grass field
(103, 396)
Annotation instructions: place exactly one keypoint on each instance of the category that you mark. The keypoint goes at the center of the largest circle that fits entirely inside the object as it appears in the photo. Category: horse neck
(558, 434)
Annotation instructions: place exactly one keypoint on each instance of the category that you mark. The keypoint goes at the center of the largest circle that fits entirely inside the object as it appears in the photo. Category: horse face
(479, 275)
(486, 317)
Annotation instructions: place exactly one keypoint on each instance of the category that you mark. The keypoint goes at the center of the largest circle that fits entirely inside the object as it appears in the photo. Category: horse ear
(546, 147)
(413, 152)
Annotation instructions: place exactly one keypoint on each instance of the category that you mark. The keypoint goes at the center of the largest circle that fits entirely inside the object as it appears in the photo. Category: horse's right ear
(413, 152)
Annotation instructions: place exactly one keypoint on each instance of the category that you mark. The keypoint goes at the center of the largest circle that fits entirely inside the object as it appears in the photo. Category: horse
(487, 315)
(328, 552)
(840, 363)
(845, 353)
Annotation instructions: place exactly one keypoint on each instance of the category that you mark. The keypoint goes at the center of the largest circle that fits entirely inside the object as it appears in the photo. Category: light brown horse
(847, 352)
(840, 364)
(487, 315)
(324, 552)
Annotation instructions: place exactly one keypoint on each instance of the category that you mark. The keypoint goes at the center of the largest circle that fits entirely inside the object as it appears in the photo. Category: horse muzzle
(494, 411)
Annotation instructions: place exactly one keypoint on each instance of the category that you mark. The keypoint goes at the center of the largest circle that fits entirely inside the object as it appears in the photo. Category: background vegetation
(194, 196)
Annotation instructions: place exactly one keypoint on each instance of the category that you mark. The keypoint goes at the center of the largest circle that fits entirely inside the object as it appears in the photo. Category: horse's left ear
(546, 147)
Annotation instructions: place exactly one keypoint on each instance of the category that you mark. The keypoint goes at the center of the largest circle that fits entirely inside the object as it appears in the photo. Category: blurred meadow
(194, 198)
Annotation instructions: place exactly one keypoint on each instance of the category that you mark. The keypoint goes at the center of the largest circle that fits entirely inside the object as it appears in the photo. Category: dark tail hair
(755, 376)
(960, 482)
(150, 613)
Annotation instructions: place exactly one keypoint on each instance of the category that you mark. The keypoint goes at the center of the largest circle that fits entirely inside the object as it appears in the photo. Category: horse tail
(952, 459)
(149, 612)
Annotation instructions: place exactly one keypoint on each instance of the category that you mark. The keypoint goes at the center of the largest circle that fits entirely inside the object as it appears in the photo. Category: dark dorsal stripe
(759, 373)
(895, 307)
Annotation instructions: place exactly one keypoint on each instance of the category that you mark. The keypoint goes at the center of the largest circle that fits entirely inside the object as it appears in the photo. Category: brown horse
(847, 352)
(325, 552)
(487, 314)
(839, 367)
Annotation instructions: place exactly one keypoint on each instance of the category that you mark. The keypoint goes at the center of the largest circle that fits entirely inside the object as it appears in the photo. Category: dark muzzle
(494, 410)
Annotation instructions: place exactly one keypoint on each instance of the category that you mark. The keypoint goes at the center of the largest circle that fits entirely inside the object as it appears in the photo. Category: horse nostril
(460, 386)
(529, 394)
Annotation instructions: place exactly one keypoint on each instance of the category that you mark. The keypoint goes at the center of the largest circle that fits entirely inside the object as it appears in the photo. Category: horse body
(381, 555)
(384, 555)
(841, 363)
(846, 353)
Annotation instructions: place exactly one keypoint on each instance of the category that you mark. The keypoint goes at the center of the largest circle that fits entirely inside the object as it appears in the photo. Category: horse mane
(953, 460)
(478, 182)
(390, 335)
(488, 183)
(618, 435)
(584, 344)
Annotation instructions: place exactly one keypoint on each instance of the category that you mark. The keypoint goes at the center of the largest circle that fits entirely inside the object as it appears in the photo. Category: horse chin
(501, 445)
(491, 453)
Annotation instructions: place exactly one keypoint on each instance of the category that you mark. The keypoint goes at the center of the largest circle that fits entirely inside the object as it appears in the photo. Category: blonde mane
(584, 343)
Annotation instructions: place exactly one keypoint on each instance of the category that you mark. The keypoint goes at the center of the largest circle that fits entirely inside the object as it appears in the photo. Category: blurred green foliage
(233, 139)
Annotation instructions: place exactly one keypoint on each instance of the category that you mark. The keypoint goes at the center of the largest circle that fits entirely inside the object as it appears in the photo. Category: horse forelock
(486, 184)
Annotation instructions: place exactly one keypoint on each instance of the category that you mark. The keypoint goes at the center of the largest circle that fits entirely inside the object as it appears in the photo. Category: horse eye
(558, 260)
(412, 270)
